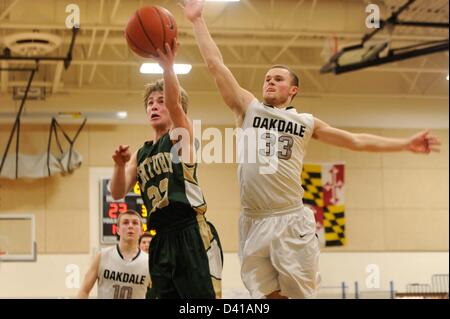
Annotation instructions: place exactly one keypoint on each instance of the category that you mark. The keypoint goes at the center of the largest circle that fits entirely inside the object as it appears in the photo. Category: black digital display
(112, 208)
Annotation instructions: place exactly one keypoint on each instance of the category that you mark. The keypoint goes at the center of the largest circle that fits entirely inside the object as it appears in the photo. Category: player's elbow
(214, 65)
(356, 144)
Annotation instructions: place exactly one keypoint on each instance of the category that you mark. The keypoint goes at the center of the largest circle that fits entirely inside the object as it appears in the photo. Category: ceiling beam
(291, 15)
(100, 11)
(272, 13)
(295, 41)
(247, 66)
(257, 93)
(91, 76)
(102, 43)
(243, 32)
(431, 85)
(80, 76)
(416, 77)
(114, 11)
(116, 51)
(307, 73)
(311, 11)
(91, 43)
(237, 42)
(46, 84)
(253, 72)
(8, 9)
(236, 55)
(104, 78)
(285, 47)
(261, 17)
(406, 78)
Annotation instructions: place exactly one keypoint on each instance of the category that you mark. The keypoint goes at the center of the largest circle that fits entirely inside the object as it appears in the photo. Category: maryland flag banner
(324, 194)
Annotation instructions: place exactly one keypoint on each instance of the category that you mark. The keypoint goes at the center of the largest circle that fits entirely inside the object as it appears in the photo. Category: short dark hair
(158, 86)
(295, 80)
(143, 236)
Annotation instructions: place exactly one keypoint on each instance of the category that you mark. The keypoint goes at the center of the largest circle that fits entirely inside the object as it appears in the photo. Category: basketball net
(330, 48)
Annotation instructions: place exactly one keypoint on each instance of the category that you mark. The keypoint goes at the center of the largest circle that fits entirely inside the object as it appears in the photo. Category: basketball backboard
(17, 237)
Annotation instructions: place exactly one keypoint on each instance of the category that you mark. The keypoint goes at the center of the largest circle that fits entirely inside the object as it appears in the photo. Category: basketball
(148, 29)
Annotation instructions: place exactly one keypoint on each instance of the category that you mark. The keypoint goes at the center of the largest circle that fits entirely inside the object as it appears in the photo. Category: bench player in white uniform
(121, 271)
(278, 248)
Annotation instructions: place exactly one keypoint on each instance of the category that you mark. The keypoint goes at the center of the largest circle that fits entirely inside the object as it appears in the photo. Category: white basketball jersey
(271, 148)
(120, 279)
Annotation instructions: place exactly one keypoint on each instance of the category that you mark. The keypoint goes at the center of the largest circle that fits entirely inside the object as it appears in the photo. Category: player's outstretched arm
(234, 96)
(124, 173)
(172, 100)
(89, 279)
(419, 143)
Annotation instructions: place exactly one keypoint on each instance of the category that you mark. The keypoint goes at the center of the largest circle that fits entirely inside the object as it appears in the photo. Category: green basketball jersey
(170, 190)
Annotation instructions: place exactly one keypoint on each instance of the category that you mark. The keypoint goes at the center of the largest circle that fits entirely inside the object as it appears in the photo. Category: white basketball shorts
(280, 252)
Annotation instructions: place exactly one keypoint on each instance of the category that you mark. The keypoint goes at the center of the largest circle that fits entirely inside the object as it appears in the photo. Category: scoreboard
(110, 210)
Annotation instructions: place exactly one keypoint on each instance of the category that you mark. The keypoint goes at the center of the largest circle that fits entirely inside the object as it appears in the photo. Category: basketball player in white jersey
(278, 248)
(121, 271)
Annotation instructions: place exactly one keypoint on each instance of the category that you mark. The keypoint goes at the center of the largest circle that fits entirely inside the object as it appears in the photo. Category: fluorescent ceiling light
(154, 68)
(122, 115)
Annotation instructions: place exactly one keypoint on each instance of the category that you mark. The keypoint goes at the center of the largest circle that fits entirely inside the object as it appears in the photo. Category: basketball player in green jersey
(144, 245)
(185, 254)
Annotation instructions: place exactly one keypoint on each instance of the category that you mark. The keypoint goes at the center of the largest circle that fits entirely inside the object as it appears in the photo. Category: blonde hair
(158, 86)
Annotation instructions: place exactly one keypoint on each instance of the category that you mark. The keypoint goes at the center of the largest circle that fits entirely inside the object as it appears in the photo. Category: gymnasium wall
(394, 202)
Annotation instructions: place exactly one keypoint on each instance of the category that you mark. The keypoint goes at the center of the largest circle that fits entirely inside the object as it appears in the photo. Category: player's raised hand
(121, 155)
(166, 60)
(424, 143)
(192, 9)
